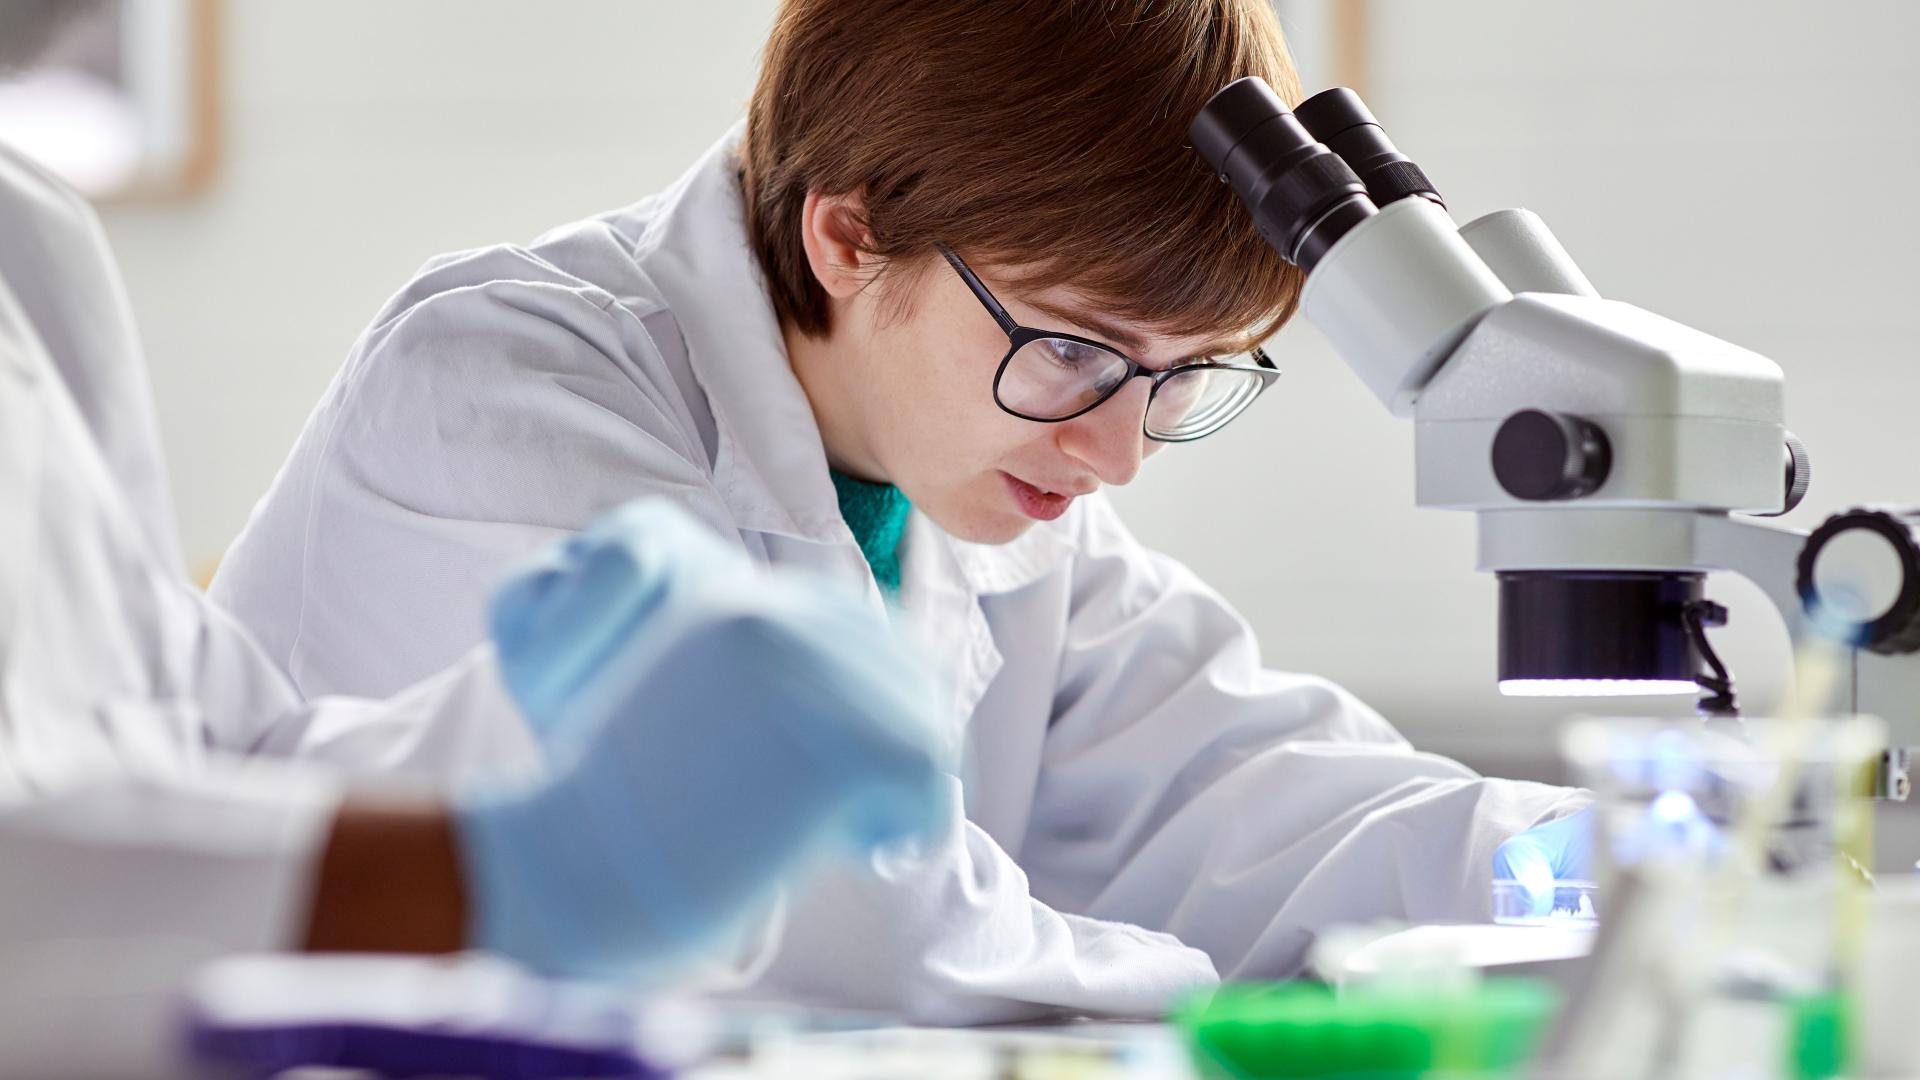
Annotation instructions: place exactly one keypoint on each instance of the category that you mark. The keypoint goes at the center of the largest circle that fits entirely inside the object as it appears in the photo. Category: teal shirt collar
(877, 515)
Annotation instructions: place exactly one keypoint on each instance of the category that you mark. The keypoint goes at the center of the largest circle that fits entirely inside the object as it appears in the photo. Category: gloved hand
(574, 607)
(1560, 850)
(709, 725)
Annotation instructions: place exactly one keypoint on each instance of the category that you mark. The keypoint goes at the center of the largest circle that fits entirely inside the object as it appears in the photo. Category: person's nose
(1110, 440)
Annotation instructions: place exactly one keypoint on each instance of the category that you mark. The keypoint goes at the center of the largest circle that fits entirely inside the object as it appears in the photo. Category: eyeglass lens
(1054, 378)
(1200, 400)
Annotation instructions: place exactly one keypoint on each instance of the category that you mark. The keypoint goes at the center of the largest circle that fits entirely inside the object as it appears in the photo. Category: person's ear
(834, 233)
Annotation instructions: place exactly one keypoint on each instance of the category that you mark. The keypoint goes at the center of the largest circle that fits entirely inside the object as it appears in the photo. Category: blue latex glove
(573, 608)
(710, 726)
(1560, 850)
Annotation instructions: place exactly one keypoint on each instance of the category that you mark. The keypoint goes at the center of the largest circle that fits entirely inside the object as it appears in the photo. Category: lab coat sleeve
(1189, 788)
(117, 886)
(456, 728)
(54, 259)
(497, 405)
(950, 934)
(222, 857)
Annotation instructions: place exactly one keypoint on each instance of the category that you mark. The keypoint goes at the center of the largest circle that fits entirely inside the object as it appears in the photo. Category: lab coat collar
(770, 465)
(943, 583)
(1000, 568)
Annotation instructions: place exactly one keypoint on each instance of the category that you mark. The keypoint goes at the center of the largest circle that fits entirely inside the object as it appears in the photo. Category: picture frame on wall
(124, 105)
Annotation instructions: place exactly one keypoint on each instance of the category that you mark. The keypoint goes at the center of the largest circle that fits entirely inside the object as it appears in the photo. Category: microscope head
(1587, 435)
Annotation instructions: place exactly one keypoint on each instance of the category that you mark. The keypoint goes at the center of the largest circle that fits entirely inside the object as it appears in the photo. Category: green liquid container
(1254, 1031)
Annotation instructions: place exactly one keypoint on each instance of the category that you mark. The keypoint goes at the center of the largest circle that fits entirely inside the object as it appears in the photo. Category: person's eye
(1072, 355)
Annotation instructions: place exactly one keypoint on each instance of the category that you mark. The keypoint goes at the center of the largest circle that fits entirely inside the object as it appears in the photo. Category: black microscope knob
(1798, 475)
(1895, 629)
(1542, 456)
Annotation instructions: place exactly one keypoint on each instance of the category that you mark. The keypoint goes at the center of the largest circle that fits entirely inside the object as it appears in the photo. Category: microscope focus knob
(1859, 579)
(1799, 472)
(1798, 475)
(1541, 456)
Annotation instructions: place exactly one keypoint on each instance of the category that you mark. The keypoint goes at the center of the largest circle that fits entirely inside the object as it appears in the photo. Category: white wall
(1739, 164)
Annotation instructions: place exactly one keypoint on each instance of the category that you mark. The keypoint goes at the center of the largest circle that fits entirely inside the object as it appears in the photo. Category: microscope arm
(1869, 683)
(1760, 551)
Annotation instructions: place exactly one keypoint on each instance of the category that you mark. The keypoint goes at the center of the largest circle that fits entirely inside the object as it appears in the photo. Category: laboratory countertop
(1055, 1050)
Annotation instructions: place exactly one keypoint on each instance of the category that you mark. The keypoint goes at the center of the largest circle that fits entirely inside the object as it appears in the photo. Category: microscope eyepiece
(1302, 195)
(1338, 118)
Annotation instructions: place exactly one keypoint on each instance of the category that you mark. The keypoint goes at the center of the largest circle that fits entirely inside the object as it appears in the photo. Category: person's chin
(1003, 531)
(984, 525)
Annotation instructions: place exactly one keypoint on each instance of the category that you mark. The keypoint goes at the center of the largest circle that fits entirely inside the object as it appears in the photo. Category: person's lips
(1036, 502)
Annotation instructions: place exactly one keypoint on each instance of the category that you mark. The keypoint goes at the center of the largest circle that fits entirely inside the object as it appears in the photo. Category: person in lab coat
(780, 343)
(143, 830)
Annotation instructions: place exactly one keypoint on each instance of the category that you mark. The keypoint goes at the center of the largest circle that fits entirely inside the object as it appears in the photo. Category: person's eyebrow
(1126, 340)
(1106, 331)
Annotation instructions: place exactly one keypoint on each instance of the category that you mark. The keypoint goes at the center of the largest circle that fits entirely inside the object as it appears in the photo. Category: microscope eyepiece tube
(1518, 246)
(1303, 197)
(1338, 118)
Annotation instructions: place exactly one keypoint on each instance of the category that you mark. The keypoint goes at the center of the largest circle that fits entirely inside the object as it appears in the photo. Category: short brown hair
(1045, 136)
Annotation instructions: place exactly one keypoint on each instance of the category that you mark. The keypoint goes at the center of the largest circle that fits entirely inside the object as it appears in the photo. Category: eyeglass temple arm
(980, 290)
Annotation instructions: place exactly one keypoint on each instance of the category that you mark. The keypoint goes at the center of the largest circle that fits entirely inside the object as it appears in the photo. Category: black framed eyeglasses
(1048, 376)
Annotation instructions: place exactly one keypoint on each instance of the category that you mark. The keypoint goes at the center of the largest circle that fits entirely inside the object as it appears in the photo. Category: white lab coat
(1146, 804)
(135, 842)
